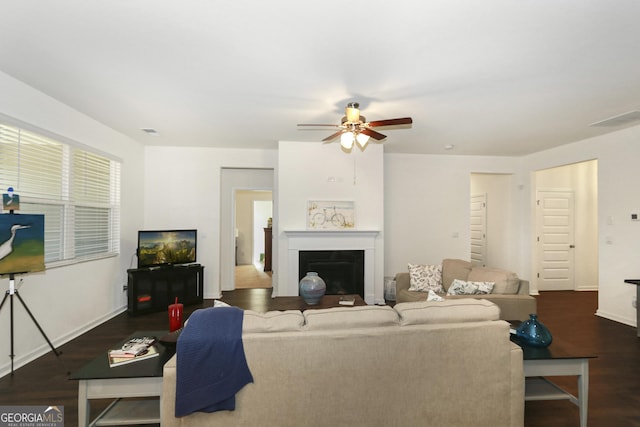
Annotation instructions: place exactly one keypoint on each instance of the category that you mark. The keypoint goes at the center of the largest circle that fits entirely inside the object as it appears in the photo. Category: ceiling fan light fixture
(354, 128)
(362, 139)
(352, 112)
(346, 140)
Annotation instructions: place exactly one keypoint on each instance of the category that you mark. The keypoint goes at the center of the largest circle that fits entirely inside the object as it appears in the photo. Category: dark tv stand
(153, 289)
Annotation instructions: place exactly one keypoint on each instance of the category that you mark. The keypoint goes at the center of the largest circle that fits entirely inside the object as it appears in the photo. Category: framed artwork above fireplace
(330, 215)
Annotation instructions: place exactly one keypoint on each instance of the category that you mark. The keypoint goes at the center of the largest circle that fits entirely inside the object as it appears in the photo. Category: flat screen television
(158, 248)
(21, 243)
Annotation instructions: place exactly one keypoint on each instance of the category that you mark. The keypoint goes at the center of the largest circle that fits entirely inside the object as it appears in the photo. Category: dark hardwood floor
(614, 398)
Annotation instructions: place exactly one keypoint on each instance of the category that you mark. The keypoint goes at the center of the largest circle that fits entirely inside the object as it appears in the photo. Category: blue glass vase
(533, 333)
(312, 288)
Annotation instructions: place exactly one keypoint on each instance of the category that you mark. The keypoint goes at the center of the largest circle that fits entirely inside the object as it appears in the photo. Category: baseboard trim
(616, 318)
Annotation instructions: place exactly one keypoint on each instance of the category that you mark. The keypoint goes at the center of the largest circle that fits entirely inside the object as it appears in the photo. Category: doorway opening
(566, 227)
(234, 236)
(253, 241)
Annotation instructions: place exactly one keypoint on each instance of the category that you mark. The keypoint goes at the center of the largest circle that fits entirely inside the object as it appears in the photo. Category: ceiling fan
(354, 127)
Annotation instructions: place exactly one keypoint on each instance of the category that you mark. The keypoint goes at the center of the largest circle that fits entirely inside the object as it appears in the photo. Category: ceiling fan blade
(391, 122)
(373, 134)
(333, 136)
(315, 125)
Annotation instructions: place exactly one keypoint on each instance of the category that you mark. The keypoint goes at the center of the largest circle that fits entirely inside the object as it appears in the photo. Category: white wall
(67, 301)
(193, 176)
(498, 189)
(313, 171)
(427, 209)
(618, 174)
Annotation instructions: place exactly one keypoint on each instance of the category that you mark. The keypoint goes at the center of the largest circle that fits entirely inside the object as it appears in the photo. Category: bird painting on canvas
(21, 243)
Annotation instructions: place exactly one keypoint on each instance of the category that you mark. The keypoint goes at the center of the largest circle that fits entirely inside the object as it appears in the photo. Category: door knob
(572, 246)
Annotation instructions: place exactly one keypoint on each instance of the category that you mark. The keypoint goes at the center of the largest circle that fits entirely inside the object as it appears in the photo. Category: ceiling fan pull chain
(354, 172)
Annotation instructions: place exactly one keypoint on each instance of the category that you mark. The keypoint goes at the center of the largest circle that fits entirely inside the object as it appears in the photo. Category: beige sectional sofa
(510, 293)
(445, 363)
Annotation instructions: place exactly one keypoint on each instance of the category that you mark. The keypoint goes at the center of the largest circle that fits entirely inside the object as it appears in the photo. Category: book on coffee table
(133, 350)
(347, 300)
(115, 360)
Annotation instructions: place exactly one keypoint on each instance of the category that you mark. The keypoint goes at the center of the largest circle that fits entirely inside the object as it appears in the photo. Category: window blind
(77, 191)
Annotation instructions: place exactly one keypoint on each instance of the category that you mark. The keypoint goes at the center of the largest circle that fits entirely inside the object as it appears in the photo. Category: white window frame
(68, 233)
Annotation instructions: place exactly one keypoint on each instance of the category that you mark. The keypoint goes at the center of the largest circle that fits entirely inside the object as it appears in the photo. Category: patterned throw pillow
(434, 297)
(425, 278)
(460, 287)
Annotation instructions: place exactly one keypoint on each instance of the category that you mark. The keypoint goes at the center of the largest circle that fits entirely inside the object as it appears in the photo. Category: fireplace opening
(342, 271)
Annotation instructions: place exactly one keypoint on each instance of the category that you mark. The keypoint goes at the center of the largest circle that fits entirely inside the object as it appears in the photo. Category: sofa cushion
(462, 287)
(425, 278)
(448, 311)
(506, 282)
(350, 317)
(272, 321)
(454, 269)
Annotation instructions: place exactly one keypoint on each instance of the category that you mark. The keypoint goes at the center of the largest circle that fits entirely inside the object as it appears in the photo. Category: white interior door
(478, 224)
(555, 226)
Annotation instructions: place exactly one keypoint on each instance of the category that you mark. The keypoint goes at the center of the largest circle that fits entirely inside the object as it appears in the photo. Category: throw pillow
(434, 297)
(461, 287)
(218, 303)
(425, 278)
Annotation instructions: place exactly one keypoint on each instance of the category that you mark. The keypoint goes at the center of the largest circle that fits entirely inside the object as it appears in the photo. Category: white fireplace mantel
(337, 240)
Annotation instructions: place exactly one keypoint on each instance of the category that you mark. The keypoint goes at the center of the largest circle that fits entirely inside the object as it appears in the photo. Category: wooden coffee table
(559, 359)
(297, 303)
(96, 380)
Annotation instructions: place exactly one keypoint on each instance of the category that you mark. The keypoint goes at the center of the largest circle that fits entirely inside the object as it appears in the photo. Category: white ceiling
(492, 77)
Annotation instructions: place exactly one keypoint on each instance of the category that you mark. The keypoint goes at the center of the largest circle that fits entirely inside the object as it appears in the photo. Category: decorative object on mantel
(533, 333)
(355, 128)
(330, 215)
(312, 288)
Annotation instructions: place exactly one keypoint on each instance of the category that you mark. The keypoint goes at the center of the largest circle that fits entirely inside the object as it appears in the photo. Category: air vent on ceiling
(150, 131)
(619, 120)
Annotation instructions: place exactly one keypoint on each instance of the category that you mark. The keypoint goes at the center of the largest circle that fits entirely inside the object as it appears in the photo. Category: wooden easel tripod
(10, 293)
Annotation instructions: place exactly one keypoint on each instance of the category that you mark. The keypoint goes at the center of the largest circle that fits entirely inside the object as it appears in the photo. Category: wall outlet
(125, 287)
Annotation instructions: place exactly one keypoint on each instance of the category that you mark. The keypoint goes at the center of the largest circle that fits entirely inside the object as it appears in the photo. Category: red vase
(175, 316)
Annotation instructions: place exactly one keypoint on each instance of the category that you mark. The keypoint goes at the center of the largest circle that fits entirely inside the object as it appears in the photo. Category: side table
(559, 359)
(96, 380)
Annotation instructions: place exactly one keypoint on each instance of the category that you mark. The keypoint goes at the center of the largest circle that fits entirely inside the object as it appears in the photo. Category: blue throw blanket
(211, 365)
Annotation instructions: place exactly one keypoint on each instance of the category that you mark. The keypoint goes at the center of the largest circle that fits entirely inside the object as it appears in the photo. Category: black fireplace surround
(341, 270)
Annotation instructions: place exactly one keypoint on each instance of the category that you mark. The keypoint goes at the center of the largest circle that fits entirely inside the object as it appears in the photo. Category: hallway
(251, 277)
